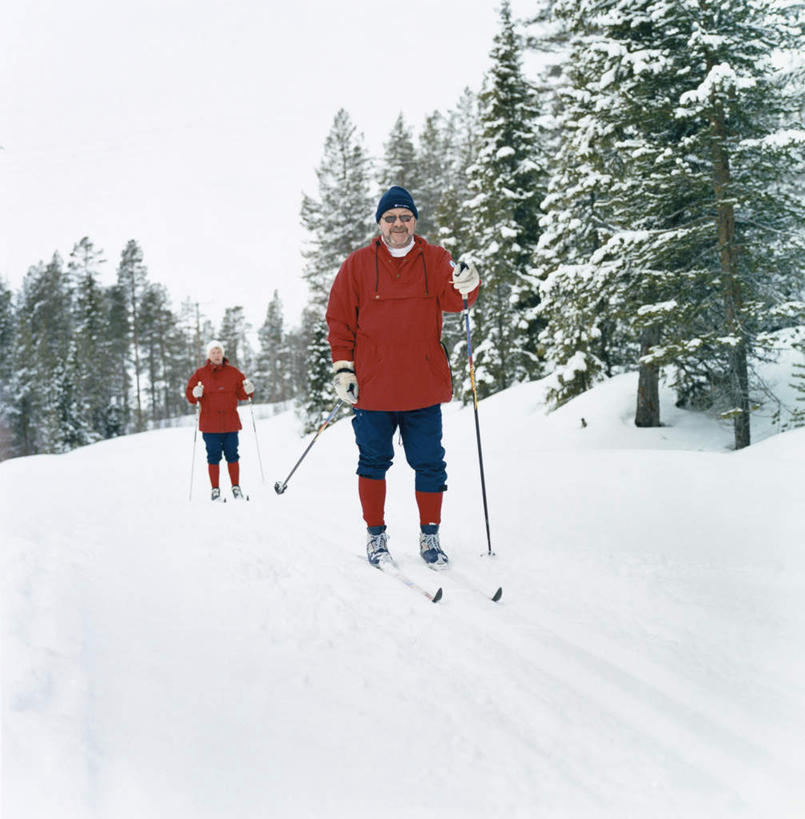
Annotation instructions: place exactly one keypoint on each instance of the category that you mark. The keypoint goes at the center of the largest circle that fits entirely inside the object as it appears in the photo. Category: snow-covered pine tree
(272, 365)
(64, 423)
(42, 345)
(24, 394)
(579, 339)
(339, 221)
(163, 354)
(234, 334)
(688, 107)
(118, 414)
(506, 185)
(94, 366)
(7, 332)
(399, 164)
(433, 174)
(462, 142)
(132, 278)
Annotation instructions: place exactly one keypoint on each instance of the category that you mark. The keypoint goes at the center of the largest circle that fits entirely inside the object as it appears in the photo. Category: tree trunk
(648, 384)
(731, 284)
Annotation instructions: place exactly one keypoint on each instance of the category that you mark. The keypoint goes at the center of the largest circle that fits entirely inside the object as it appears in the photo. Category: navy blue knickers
(421, 432)
(221, 442)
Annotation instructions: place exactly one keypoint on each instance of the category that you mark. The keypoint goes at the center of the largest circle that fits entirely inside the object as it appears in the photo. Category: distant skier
(219, 386)
(385, 326)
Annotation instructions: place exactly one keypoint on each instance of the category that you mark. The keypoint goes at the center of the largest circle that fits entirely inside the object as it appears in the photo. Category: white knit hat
(212, 345)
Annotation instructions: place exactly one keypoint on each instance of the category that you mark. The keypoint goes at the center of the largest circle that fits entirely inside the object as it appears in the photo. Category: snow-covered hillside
(167, 658)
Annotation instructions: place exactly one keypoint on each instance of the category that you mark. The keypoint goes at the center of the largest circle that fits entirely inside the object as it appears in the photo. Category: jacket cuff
(344, 367)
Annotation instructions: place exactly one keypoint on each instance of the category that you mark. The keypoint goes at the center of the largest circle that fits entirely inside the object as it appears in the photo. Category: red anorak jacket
(385, 314)
(223, 388)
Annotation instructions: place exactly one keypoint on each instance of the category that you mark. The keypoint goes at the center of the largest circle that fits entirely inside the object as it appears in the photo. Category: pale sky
(194, 127)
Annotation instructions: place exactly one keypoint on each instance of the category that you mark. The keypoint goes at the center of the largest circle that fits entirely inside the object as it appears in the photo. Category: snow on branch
(719, 79)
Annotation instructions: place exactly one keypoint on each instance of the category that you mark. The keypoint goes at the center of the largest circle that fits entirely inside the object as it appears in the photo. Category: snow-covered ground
(167, 658)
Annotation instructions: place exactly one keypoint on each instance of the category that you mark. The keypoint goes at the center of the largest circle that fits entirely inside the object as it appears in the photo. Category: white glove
(248, 387)
(465, 278)
(198, 390)
(345, 381)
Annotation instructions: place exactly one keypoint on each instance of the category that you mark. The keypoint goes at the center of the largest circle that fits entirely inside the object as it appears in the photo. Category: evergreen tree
(132, 278)
(161, 342)
(24, 393)
(93, 366)
(684, 109)
(399, 165)
(456, 148)
(118, 414)
(234, 336)
(273, 372)
(7, 334)
(433, 174)
(64, 423)
(506, 184)
(462, 143)
(42, 346)
(338, 221)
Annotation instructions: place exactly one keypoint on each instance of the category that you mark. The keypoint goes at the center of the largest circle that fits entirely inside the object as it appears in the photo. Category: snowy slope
(163, 658)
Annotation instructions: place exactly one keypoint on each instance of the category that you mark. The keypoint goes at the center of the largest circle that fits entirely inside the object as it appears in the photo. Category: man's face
(217, 356)
(394, 228)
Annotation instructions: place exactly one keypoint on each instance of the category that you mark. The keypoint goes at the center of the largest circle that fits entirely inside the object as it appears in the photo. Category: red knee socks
(373, 500)
(215, 472)
(430, 508)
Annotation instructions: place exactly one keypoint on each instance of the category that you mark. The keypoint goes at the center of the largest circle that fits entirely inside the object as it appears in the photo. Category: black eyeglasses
(403, 217)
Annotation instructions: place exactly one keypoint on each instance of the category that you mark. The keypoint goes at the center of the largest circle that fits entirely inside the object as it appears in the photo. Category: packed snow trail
(164, 658)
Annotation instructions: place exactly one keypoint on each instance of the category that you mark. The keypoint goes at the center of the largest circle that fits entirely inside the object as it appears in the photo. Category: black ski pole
(477, 424)
(281, 486)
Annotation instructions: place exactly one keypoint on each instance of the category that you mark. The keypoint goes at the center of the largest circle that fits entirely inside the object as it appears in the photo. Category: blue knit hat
(395, 197)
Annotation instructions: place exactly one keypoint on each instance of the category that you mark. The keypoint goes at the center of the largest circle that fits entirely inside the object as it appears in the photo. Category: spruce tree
(161, 341)
(432, 174)
(93, 365)
(233, 334)
(64, 425)
(506, 185)
(399, 163)
(689, 202)
(338, 222)
(7, 333)
(273, 373)
(462, 142)
(118, 413)
(132, 278)
(24, 394)
(41, 347)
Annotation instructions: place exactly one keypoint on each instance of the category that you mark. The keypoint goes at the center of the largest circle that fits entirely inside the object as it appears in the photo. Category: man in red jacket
(219, 386)
(385, 327)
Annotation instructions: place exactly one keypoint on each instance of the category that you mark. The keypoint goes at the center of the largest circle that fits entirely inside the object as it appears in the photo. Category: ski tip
(438, 596)
(497, 595)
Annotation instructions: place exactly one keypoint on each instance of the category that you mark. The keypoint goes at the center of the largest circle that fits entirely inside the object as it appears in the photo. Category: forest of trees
(634, 203)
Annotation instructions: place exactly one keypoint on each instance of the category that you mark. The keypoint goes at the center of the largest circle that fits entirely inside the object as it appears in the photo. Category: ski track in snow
(164, 658)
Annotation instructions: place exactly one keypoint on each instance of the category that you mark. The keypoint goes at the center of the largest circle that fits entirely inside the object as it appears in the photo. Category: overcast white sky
(194, 127)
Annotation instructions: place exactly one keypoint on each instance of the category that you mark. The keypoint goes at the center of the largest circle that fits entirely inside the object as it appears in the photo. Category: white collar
(399, 252)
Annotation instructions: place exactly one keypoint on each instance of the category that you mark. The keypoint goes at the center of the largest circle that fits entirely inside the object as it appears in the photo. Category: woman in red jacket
(385, 327)
(219, 386)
